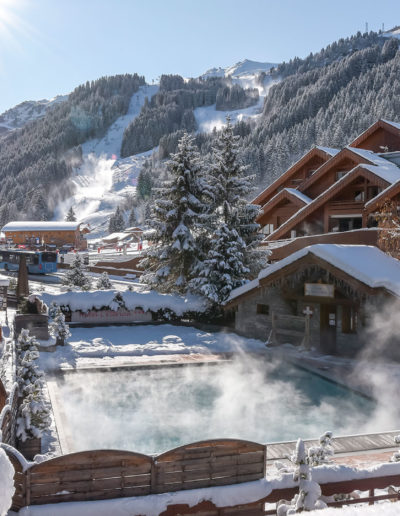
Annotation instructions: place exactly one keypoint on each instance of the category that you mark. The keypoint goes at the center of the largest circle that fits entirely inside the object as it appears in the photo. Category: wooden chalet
(324, 296)
(334, 191)
(59, 234)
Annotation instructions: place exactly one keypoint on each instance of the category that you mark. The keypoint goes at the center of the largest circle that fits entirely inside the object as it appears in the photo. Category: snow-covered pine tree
(53, 310)
(104, 283)
(116, 223)
(178, 213)
(33, 414)
(70, 217)
(76, 276)
(132, 218)
(60, 329)
(233, 232)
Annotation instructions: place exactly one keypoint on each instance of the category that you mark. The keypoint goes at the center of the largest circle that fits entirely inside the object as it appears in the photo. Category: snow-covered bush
(33, 414)
(59, 328)
(76, 275)
(54, 310)
(396, 456)
(104, 283)
(318, 455)
(308, 498)
(7, 488)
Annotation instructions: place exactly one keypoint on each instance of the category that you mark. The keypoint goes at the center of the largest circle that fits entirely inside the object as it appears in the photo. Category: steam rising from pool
(153, 411)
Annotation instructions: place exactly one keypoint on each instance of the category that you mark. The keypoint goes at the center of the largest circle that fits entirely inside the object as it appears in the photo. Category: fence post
(371, 494)
(28, 487)
(153, 477)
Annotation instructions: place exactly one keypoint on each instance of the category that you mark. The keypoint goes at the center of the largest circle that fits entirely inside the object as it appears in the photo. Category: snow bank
(6, 483)
(153, 505)
(149, 300)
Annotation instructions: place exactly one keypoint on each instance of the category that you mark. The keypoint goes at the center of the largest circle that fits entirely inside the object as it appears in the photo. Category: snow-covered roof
(328, 150)
(394, 124)
(37, 225)
(115, 236)
(300, 195)
(367, 264)
(374, 158)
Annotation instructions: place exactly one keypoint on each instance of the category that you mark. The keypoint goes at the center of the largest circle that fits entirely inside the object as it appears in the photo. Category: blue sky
(48, 47)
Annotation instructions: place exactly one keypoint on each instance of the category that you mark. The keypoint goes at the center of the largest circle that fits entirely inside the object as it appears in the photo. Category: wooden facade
(31, 233)
(339, 194)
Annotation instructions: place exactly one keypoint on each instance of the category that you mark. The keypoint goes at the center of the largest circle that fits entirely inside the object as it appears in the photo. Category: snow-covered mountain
(19, 115)
(241, 69)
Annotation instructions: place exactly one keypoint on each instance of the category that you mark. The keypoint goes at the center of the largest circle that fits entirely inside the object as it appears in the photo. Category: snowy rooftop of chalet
(388, 171)
(37, 225)
(329, 150)
(300, 195)
(365, 263)
(394, 124)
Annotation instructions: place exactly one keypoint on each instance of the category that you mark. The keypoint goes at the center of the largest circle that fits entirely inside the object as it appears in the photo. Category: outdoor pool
(151, 411)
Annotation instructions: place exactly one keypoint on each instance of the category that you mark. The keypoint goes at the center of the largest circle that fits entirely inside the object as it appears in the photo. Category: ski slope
(104, 179)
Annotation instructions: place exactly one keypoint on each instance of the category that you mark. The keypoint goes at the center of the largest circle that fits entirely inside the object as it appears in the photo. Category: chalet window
(263, 309)
(349, 319)
(373, 191)
(310, 172)
(267, 229)
(340, 174)
(359, 195)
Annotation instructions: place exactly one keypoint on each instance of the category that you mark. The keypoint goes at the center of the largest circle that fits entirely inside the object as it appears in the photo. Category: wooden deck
(345, 445)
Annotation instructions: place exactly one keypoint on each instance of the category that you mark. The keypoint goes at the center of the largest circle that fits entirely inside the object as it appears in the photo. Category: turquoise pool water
(153, 411)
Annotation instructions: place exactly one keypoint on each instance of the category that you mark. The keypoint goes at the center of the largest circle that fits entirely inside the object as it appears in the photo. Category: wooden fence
(107, 474)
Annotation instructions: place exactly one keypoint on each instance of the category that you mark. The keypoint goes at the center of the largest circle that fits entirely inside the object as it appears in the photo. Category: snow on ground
(6, 483)
(104, 179)
(113, 346)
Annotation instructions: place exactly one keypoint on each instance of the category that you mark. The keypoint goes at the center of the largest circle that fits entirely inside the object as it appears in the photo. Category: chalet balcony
(280, 249)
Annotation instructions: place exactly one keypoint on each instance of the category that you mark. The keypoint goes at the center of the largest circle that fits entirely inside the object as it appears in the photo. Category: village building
(57, 234)
(125, 237)
(322, 296)
(334, 191)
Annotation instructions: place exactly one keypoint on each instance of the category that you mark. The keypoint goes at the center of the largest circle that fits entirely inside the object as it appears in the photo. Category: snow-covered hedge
(165, 305)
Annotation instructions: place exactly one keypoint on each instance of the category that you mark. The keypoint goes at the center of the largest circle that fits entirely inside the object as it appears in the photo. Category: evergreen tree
(33, 413)
(59, 328)
(76, 276)
(132, 218)
(104, 283)
(233, 233)
(177, 216)
(117, 223)
(70, 217)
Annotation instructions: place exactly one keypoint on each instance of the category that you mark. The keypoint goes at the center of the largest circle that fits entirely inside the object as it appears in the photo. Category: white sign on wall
(111, 316)
(319, 290)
